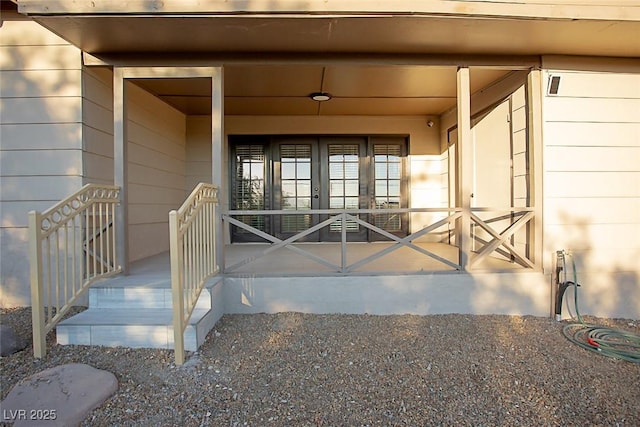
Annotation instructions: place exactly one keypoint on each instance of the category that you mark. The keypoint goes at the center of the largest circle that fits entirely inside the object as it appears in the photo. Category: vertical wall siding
(592, 185)
(41, 139)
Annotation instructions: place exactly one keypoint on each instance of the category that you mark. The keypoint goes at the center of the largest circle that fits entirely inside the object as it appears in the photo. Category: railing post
(37, 310)
(175, 249)
(343, 242)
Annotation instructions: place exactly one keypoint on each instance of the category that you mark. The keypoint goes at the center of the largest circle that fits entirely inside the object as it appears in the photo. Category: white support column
(217, 155)
(465, 164)
(535, 148)
(120, 162)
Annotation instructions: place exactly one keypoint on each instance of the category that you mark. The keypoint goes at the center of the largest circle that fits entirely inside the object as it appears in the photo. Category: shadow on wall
(606, 265)
(41, 152)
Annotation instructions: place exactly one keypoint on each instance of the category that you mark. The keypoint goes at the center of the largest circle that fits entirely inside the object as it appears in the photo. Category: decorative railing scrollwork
(72, 244)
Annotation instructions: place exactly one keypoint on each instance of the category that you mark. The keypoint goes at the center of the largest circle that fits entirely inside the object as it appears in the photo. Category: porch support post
(217, 159)
(120, 162)
(465, 164)
(535, 149)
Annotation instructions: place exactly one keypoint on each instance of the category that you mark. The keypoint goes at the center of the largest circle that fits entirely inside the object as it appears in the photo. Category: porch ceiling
(356, 90)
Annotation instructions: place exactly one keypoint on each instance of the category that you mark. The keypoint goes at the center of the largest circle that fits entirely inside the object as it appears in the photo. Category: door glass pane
(388, 172)
(344, 181)
(249, 184)
(295, 174)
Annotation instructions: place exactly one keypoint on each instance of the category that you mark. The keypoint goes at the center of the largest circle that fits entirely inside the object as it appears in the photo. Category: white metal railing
(339, 218)
(71, 245)
(192, 240)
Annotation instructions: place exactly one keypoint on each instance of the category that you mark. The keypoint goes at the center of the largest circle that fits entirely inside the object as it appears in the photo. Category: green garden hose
(606, 341)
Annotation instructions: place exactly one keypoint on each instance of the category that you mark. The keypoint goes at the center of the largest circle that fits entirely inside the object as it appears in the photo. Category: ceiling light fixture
(320, 96)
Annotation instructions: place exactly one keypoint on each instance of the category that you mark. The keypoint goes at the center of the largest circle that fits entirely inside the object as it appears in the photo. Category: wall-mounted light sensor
(554, 85)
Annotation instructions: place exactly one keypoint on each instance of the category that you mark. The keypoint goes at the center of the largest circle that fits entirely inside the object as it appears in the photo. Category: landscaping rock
(9, 342)
(60, 396)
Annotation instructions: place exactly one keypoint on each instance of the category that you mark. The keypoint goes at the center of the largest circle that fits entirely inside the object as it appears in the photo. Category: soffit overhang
(498, 27)
(372, 59)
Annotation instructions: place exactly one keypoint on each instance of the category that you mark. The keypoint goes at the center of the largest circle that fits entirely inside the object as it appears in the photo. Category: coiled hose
(606, 341)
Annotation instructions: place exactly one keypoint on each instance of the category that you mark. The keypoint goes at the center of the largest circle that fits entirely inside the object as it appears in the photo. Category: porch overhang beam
(199, 59)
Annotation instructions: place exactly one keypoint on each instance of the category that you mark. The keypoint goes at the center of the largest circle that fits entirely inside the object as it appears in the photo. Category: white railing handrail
(78, 239)
(192, 241)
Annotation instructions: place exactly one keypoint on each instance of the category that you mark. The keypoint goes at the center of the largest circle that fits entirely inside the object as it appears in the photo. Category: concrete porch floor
(155, 271)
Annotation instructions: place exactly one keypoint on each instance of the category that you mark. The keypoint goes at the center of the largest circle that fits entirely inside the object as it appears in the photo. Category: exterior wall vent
(554, 85)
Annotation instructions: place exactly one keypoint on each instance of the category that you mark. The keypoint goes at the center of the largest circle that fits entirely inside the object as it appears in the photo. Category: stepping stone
(60, 396)
(9, 342)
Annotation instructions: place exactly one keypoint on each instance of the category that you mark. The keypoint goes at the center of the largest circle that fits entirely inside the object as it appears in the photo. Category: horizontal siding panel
(587, 236)
(16, 214)
(139, 174)
(148, 239)
(27, 33)
(97, 142)
(41, 162)
(40, 57)
(145, 109)
(198, 150)
(149, 194)
(97, 90)
(597, 85)
(25, 188)
(144, 156)
(141, 214)
(29, 136)
(520, 164)
(520, 141)
(41, 110)
(592, 184)
(98, 168)
(518, 98)
(595, 110)
(34, 83)
(144, 137)
(592, 159)
(97, 117)
(199, 169)
(519, 120)
(592, 134)
(602, 260)
(520, 187)
(592, 210)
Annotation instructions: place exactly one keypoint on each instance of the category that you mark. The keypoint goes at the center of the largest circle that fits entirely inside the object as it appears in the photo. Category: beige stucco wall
(592, 179)
(40, 138)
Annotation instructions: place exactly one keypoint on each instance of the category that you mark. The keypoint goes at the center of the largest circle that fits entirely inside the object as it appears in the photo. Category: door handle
(315, 196)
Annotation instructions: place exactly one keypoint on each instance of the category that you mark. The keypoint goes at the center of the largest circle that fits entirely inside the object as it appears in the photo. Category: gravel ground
(296, 369)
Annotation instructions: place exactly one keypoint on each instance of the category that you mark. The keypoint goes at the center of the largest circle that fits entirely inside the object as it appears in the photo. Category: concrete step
(133, 327)
(136, 311)
(139, 296)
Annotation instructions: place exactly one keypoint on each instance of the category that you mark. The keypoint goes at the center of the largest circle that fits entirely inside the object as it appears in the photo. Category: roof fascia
(615, 10)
